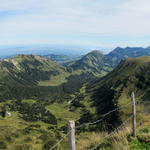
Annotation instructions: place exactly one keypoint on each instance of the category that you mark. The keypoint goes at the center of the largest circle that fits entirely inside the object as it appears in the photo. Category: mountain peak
(96, 51)
(94, 61)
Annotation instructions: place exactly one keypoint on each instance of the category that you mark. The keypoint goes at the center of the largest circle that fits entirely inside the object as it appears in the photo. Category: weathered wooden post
(71, 135)
(134, 114)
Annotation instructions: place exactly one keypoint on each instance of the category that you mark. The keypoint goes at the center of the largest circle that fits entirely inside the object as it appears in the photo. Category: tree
(3, 112)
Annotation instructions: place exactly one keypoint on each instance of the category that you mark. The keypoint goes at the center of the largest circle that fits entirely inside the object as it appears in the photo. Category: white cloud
(107, 17)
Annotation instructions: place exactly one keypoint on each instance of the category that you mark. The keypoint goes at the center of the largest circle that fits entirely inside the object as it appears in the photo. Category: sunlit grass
(62, 113)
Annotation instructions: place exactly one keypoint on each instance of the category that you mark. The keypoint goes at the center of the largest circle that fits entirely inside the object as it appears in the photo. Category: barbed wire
(90, 123)
(103, 116)
(143, 102)
(112, 132)
(60, 140)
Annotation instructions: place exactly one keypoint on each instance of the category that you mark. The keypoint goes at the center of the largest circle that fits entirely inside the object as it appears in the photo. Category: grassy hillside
(28, 69)
(112, 91)
(115, 89)
(35, 68)
(132, 74)
(94, 62)
(23, 76)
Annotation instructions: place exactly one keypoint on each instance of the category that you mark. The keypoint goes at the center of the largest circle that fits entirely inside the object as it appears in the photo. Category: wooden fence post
(134, 114)
(71, 135)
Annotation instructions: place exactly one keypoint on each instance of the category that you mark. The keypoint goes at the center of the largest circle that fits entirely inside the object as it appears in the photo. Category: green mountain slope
(30, 69)
(94, 62)
(132, 72)
(22, 75)
(115, 88)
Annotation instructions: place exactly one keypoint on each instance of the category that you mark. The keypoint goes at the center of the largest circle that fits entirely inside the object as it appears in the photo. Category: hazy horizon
(91, 23)
(46, 49)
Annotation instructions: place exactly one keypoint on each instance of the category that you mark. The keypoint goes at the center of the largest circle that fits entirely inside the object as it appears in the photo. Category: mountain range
(24, 72)
(32, 70)
(122, 53)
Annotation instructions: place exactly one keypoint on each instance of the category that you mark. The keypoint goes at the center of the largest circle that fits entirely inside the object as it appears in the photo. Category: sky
(97, 23)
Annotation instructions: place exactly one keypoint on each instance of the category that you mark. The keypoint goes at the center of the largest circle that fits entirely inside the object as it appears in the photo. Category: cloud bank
(93, 22)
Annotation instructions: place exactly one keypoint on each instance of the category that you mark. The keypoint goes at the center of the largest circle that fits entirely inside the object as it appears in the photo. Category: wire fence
(143, 102)
(112, 133)
(103, 116)
(92, 123)
(60, 141)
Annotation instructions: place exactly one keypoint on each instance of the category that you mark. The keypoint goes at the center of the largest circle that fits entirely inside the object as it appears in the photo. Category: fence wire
(103, 116)
(60, 141)
(112, 133)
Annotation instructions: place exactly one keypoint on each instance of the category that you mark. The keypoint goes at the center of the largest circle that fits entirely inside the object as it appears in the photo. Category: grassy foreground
(121, 140)
(17, 134)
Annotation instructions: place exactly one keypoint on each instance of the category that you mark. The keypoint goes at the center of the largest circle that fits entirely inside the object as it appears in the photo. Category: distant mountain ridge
(114, 57)
(61, 56)
(122, 53)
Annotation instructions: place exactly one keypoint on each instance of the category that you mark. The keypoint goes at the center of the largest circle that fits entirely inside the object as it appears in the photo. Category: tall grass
(121, 140)
(118, 141)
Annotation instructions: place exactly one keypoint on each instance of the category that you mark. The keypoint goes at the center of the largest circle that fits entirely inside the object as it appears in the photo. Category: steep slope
(94, 62)
(121, 53)
(127, 72)
(115, 88)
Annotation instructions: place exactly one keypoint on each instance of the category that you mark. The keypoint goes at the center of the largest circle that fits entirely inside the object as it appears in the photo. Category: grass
(29, 101)
(86, 140)
(121, 140)
(142, 142)
(55, 80)
(62, 113)
(17, 134)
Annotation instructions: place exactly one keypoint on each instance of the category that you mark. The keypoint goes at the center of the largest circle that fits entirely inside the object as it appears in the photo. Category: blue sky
(97, 23)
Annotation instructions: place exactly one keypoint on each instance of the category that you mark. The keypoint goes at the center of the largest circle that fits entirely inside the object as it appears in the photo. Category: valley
(43, 95)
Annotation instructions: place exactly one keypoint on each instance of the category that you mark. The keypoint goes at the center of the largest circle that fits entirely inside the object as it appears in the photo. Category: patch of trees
(105, 100)
(11, 89)
(34, 112)
(75, 82)
(3, 111)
